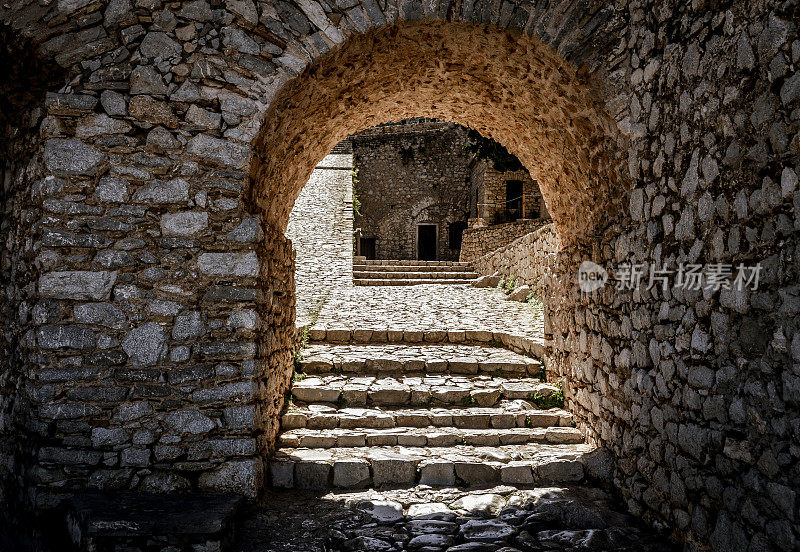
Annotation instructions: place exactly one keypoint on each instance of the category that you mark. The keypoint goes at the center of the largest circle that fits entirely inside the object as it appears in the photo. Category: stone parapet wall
(478, 242)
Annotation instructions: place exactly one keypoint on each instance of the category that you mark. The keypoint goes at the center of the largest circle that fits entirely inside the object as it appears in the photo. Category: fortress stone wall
(152, 153)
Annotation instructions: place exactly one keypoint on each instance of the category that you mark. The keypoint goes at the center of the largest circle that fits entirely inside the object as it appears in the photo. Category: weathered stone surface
(77, 284)
(158, 191)
(72, 157)
(100, 124)
(184, 224)
(189, 421)
(112, 190)
(223, 264)
(223, 152)
(240, 476)
(65, 337)
(351, 473)
(146, 345)
(382, 510)
(101, 314)
(159, 45)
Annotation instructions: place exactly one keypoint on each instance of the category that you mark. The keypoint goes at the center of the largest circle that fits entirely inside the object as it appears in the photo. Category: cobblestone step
(389, 358)
(412, 275)
(428, 390)
(366, 333)
(463, 465)
(427, 437)
(509, 414)
(412, 268)
(409, 282)
(411, 262)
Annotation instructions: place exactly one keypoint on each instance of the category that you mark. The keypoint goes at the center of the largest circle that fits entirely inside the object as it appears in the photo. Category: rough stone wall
(24, 80)
(489, 193)
(485, 239)
(144, 369)
(695, 394)
(530, 258)
(410, 174)
(321, 230)
(711, 439)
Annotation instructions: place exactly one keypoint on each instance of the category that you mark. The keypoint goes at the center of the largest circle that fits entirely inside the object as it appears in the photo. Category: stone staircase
(439, 415)
(409, 273)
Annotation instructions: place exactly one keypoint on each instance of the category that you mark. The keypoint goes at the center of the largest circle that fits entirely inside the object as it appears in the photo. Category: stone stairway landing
(406, 273)
(440, 415)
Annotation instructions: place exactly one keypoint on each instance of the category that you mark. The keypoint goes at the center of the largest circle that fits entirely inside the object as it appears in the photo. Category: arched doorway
(512, 88)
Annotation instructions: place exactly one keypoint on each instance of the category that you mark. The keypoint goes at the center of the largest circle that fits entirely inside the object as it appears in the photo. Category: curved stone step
(508, 415)
(410, 262)
(377, 334)
(409, 281)
(427, 437)
(427, 390)
(436, 466)
(412, 275)
(391, 358)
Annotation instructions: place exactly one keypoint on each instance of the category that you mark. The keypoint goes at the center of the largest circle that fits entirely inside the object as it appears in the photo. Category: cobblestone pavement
(321, 230)
(429, 307)
(456, 359)
(428, 390)
(496, 519)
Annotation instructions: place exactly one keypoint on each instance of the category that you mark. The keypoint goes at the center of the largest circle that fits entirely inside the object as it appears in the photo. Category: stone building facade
(413, 185)
(147, 324)
(503, 196)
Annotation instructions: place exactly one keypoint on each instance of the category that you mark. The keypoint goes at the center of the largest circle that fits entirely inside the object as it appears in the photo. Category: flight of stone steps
(409, 273)
(439, 415)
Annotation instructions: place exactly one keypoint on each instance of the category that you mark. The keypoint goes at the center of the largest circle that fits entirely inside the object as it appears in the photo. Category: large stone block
(146, 345)
(228, 264)
(393, 471)
(192, 422)
(351, 473)
(72, 157)
(224, 152)
(65, 337)
(158, 191)
(184, 224)
(77, 284)
(239, 476)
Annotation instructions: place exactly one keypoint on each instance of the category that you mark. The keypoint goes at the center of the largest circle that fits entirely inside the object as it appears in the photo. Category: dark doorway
(368, 248)
(513, 200)
(426, 242)
(456, 231)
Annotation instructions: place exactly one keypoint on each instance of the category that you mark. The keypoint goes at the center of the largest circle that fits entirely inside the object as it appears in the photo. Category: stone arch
(514, 89)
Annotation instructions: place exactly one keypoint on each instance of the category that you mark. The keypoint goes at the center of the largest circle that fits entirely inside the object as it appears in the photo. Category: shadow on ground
(497, 519)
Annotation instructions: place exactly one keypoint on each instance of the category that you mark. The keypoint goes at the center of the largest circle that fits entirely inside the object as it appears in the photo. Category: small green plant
(299, 376)
(552, 400)
(508, 284)
(302, 344)
(468, 400)
(356, 200)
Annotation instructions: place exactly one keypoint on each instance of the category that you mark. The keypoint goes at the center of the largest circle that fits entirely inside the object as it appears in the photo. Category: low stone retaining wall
(531, 259)
(478, 242)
